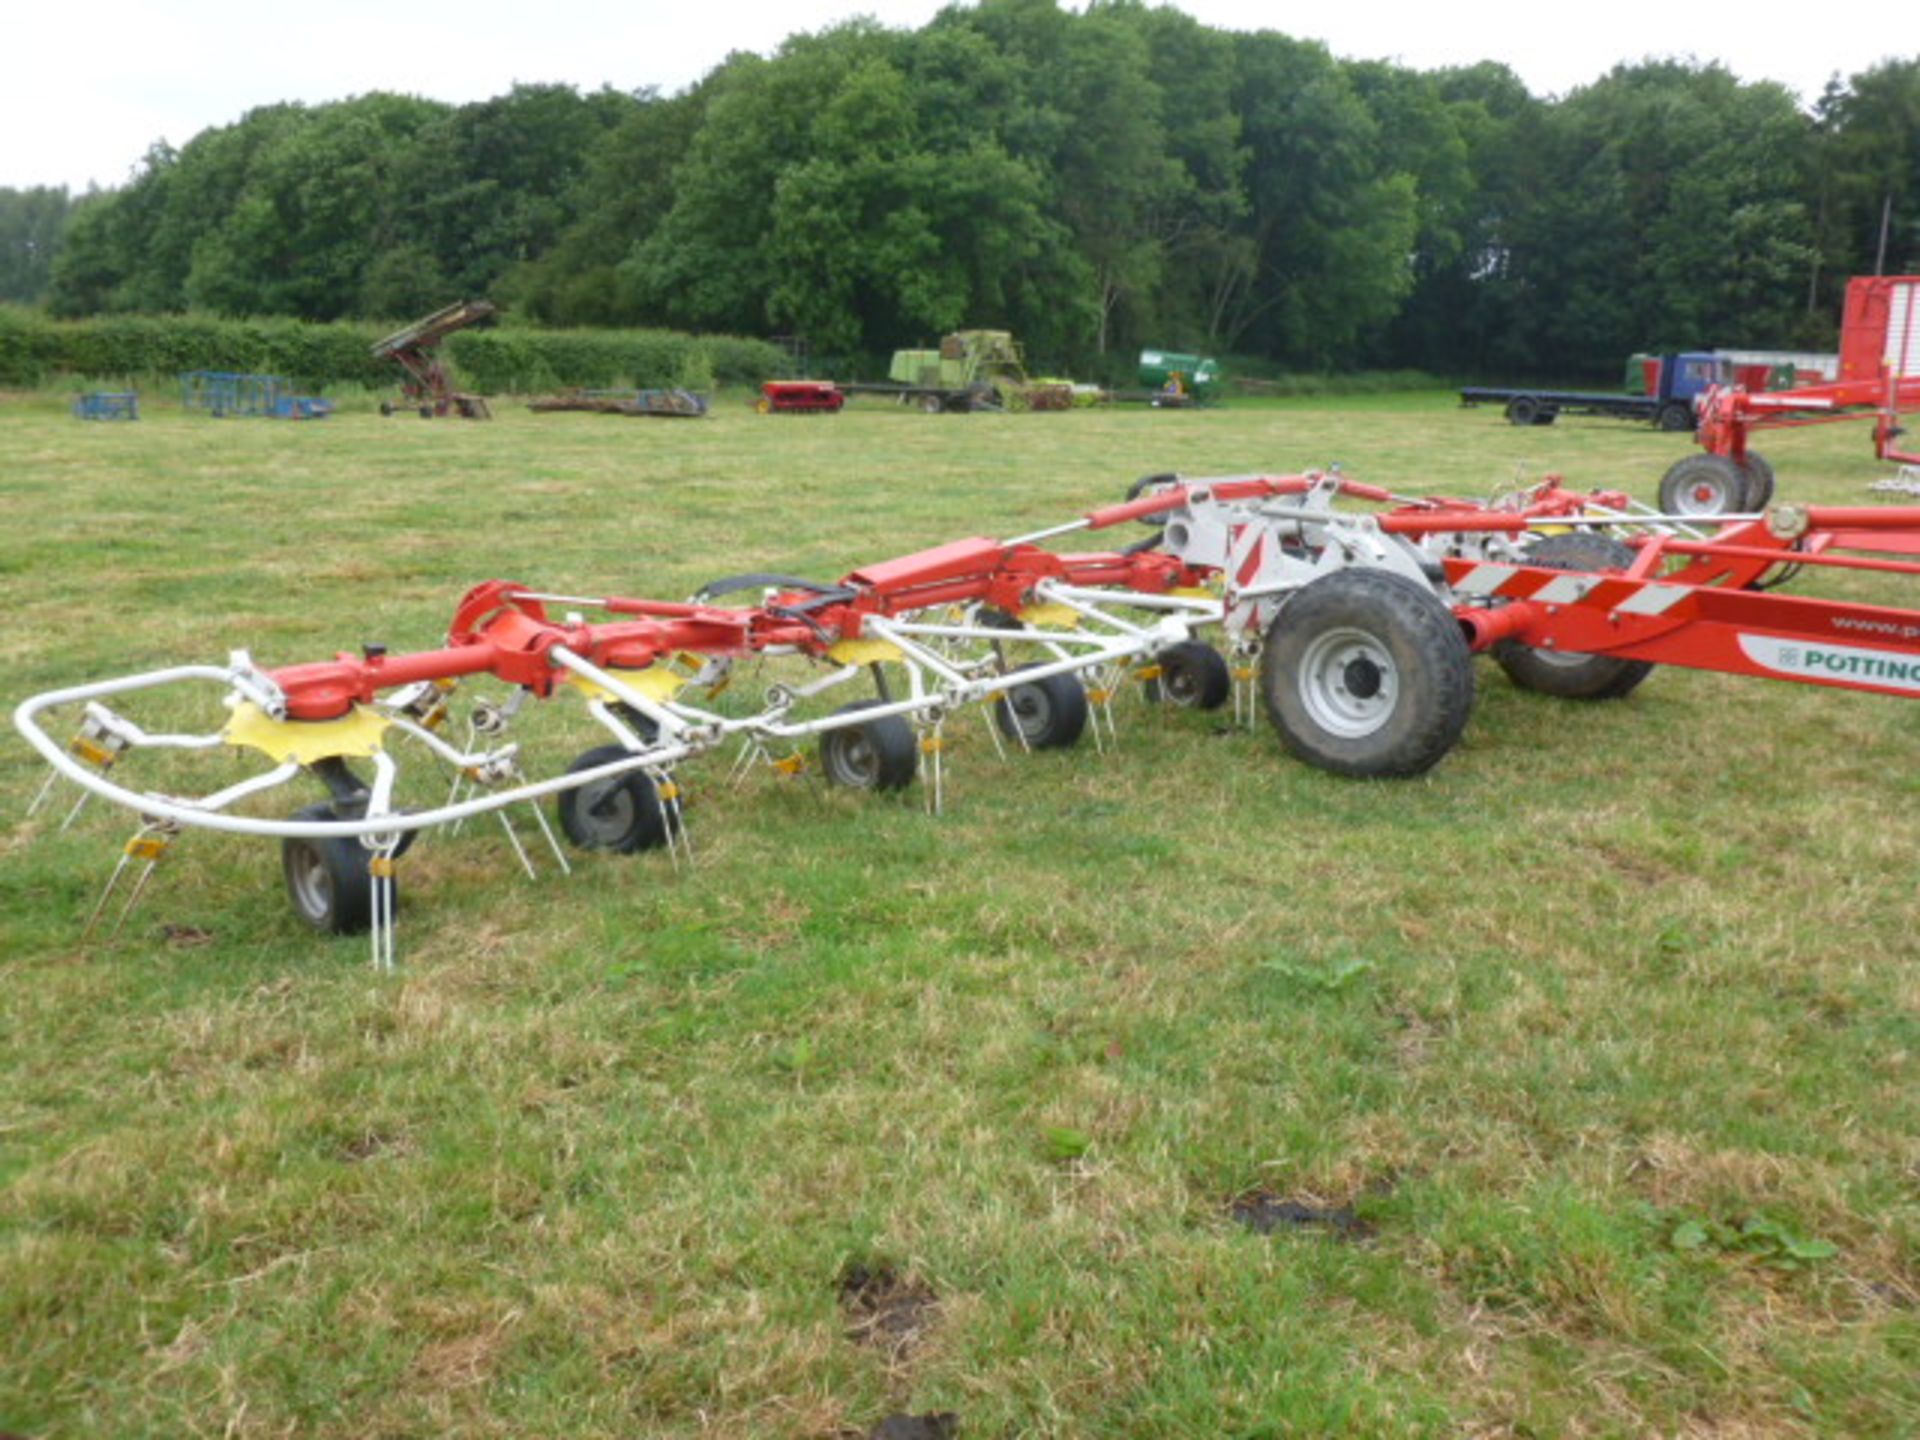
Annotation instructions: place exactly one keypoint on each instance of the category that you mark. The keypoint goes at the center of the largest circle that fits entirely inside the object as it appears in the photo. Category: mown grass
(1608, 1029)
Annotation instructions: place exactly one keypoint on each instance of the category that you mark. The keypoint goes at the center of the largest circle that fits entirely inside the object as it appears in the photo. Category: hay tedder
(1352, 612)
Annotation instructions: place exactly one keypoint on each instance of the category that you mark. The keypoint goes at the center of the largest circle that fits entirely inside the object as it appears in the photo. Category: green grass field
(1606, 1032)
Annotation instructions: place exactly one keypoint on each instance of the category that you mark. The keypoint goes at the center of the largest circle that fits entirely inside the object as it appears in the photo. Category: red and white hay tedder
(1357, 627)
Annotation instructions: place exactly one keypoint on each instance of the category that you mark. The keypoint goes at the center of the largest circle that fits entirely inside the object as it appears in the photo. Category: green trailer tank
(1197, 375)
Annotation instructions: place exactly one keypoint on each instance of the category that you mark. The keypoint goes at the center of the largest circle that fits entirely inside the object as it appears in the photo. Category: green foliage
(1769, 1241)
(1097, 181)
(510, 360)
(31, 224)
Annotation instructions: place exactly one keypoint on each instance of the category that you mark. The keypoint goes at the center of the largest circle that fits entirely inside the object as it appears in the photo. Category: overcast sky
(88, 89)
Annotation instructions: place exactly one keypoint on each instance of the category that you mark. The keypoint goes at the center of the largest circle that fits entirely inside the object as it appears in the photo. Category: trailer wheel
(1565, 674)
(327, 877)
(1523, 410)
(877, 754)
(1703, 486)
(1365, 673)
(1760, 484)
(1193, 676)
(1147, 483)
(1048, 714)
(622, 814)
(931, 404)
(1675, 416)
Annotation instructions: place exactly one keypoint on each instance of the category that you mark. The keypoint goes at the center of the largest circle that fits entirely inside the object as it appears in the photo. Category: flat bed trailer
(1543, 407)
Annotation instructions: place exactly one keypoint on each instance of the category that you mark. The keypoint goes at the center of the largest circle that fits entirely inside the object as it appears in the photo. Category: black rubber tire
(1050, 712)
(1703, 486)
(1760, 481)
(1570, 676)
(1152, 482)
(931, 404)
(1324, 654)
(881, 754)
(1193, 676)
(1674, 416)
(1523, 410)
(386, 407)
(327, 879)
(623, 814)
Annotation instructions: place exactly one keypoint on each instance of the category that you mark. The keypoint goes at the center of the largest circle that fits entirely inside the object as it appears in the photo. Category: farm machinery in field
(415, 348)
(1878, 380)
(1352, 613)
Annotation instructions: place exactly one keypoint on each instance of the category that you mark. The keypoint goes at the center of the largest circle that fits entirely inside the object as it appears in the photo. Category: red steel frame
(1706, 614)
(1882, 316)
(498, 629)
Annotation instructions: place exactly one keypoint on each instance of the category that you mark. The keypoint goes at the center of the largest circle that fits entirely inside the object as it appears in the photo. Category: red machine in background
(428, 388)
(800, 397)
(1879, 378)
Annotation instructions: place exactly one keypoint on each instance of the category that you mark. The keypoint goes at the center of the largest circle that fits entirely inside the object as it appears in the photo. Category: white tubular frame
(939, 683)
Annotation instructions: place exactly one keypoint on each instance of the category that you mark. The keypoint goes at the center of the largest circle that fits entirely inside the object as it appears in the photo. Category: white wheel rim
(310, 881)
(605, 811)
(1031, 708)
(1348, 683)
(1706, 495)
(852, 760)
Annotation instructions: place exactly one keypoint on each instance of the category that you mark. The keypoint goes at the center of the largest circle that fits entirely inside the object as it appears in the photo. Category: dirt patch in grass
(886, 1310)
(1265, 1214)
(944, 1425)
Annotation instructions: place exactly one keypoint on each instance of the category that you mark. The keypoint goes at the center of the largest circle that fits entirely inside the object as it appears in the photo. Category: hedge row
(125, 348)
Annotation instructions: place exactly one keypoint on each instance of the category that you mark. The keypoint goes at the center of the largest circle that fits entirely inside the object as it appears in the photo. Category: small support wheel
(932, 404)
(1047, 714)
(1193, 676)
(1760, 482)
(621, 813)
(1365, 673)
(1703, 486)
(1565, 674)
(877, 754)
(1523, 410)
(328, 878)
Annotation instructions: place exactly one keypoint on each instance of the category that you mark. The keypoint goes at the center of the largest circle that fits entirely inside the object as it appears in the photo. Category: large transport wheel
(1523, 410)
(1760, 482)
(622, 814)
(877, 754)
(1565, 674)
(1703, 486)
(1047, 714)
(1675, 416)
(1193, 676)
(328, 878)
(1366, 673)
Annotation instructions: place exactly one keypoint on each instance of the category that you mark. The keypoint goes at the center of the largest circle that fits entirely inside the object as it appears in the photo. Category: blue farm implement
(225, 393)
(107, 405)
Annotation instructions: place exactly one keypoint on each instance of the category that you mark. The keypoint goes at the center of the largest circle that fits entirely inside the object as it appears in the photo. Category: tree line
(1094, 181)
